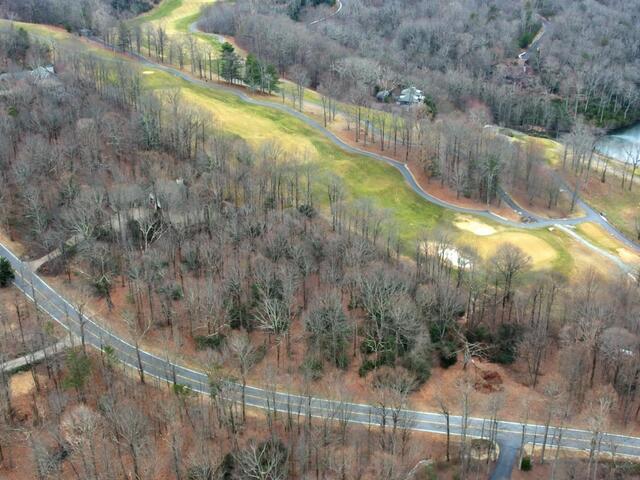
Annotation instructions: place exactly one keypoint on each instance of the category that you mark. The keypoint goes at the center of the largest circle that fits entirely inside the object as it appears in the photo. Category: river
(618, 145)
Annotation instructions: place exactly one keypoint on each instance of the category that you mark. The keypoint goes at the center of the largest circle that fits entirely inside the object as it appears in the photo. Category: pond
(621, 145)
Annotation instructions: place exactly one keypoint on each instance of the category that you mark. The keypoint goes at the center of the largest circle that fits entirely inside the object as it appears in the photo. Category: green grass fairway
(163, 11)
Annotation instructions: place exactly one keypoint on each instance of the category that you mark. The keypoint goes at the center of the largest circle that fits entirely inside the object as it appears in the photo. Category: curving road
(509, 434)
(333, 14)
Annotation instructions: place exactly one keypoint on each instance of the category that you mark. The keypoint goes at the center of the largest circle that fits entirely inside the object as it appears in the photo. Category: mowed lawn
(363, 178)
(163, 11)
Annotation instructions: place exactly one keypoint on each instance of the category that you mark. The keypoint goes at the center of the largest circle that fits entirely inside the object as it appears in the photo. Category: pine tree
(229, 63)
(6, 272)
(252, 72)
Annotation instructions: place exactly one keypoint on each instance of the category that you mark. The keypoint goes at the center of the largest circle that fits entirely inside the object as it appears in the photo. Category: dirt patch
(488, 381)
(16, 247)
(21, 384)
(476, 227)
(22, 388)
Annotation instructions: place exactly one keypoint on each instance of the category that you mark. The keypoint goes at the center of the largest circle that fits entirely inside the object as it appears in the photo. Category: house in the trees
(410, 96)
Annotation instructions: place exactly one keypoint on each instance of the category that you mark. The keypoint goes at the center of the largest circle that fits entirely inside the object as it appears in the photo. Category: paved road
(509, 433)
(533, 48)
(333, 14)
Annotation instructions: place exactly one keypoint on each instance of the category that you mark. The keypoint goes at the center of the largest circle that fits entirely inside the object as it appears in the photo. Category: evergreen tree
(253, 72)
(78, 372)
(229, 63)
(272, 79)
(124, 37)
(6, 272)
(18, 45)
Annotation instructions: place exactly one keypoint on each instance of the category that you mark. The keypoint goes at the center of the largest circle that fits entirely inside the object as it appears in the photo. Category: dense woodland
(95, 15)
(459, 52)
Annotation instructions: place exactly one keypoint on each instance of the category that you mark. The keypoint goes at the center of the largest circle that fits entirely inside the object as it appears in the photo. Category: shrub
(102, 286)
(447, 354)
(525, 464)
(506, 343)
(307, 210)
(78, 370)
(479, 334)
(176, 293)
(226, 467)
(366, 367)
(313, 366)
(418, 361)
(367, 346)
(213, 341)
(181, 390)
(6, 272)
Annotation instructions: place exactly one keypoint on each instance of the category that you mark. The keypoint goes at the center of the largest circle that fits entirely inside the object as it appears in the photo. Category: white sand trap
(147, 72)
(628, 256)
(474, 226)
(450, 254)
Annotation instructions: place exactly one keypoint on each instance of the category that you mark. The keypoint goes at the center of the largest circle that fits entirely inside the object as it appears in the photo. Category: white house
(410, 96)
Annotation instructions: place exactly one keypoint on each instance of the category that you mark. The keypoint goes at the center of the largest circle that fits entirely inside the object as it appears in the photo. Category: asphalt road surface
(509, 434)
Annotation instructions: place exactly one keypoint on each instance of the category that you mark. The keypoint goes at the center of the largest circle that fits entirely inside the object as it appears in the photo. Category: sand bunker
(147, 72)
(628, 256)
(449, 254)
(474, 226)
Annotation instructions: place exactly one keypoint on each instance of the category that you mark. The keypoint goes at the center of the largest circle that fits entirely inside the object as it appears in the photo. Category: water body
(618, 145)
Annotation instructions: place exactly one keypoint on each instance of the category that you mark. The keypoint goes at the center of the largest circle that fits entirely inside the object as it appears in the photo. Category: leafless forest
(206, 249)
(218, 246)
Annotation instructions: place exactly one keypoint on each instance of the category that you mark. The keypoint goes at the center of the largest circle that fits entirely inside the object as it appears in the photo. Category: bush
(367, 346)
(307, 210)
(419, 359)
(213, 341)
(525, 464)
(239, 317)
(506, 344)
(176, 293)
(447, 354)
(6, 273)
(181, 390)
(479, 334)
(313, 366)
(102, 286)
(366, 367)
(226, 467)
